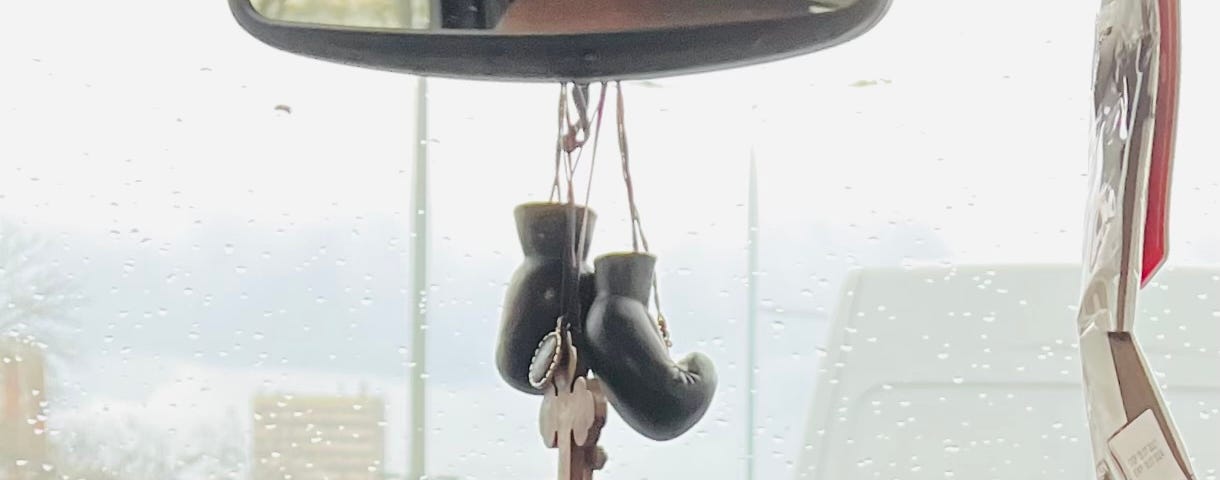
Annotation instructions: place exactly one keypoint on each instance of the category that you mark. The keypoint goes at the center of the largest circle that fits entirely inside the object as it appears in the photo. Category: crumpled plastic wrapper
(1119, 386)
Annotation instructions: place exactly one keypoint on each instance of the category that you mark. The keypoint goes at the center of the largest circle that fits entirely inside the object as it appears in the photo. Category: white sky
(159, 117)
(948, 146)
(96, 123)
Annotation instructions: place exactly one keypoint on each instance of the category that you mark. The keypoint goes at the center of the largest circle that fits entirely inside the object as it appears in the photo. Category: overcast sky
(224, 245)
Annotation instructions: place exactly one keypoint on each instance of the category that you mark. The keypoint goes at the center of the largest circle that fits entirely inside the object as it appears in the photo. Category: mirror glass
(537, 16)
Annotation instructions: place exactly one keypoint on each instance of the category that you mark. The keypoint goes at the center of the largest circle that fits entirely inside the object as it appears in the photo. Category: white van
(974, 373)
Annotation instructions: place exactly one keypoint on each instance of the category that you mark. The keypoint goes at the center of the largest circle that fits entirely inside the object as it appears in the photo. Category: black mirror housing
(576, 57)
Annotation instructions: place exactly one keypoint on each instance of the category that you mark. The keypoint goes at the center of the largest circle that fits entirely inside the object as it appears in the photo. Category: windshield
(208, 265)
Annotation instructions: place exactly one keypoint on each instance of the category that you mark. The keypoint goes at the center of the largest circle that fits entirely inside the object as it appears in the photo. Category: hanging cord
(570, 143)
(637, 227)
(578, 132)
(581, 99)
(572, 136)
(597, 131)
(576, 251)
(563, 161)
(560, 131)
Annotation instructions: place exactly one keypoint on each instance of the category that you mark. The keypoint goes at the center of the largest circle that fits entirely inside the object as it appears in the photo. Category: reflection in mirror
(395, 14)
(538, 16)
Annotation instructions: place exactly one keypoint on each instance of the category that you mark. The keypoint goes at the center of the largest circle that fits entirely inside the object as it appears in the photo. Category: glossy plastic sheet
(1119, 386)
(1124, 96)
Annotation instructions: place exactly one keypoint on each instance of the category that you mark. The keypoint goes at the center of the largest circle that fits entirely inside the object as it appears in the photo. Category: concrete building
(23, 442)
(309, 437)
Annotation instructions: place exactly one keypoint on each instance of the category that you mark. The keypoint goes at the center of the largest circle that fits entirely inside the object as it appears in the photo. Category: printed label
(1142, 451)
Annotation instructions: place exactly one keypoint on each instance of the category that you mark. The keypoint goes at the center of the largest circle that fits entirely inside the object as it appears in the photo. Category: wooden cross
(573, 413)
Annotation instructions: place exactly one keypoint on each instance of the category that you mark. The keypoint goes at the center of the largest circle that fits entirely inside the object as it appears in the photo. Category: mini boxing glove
(548, 232)
(659, 398)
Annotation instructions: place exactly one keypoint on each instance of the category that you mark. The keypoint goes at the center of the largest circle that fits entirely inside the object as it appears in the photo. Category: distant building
(23, 442)
(300, 437)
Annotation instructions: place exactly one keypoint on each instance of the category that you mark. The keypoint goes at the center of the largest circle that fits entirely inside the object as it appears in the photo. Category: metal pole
(417, 368)
(751, 312)
(435, 15)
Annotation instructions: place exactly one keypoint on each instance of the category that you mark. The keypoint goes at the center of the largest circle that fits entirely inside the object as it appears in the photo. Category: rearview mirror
(555, 40)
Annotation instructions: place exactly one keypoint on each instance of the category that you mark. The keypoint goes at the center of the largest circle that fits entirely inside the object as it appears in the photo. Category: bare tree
(37, 298)
(37, 301)
(105, 448)
(127, 447)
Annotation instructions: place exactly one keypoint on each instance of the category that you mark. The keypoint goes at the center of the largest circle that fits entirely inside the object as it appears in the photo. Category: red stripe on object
(1156, 226)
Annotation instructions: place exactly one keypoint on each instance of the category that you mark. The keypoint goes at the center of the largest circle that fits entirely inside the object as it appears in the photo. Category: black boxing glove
(534, 299)
(659, 398)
